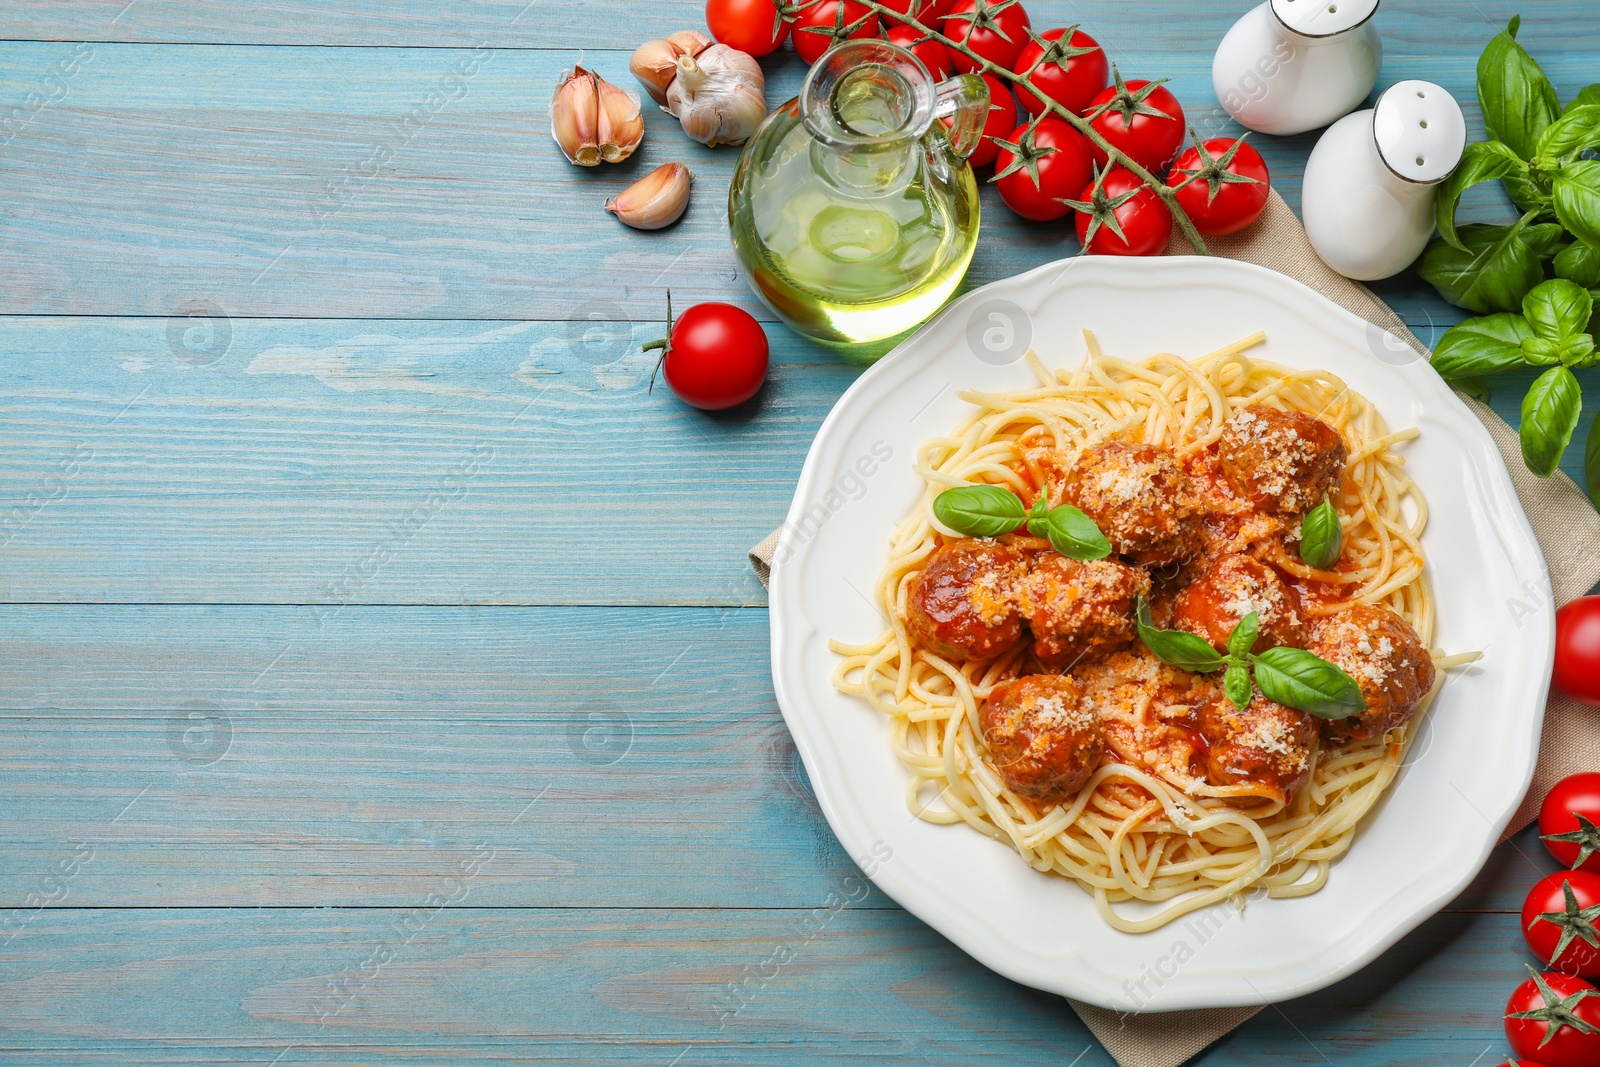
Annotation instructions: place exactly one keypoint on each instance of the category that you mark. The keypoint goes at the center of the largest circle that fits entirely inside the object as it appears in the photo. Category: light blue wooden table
(383, 678)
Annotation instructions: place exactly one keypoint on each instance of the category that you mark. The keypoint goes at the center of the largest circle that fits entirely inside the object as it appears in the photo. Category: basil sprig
(1292, 677)
(1537, 150)
(1321, 536)
(992, 510)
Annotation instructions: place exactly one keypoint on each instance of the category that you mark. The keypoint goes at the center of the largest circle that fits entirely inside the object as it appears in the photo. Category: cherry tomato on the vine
(751, 26)
(1117, 200)
(931, 52)
(1569, 822)
(715, 356)
(1230, 187)
(1039, 166)
(1070, 72)
(1578, 650)
(1540, 1017)
(816, 28)
(1001, 121)
(1558, 922)
(995, 29)
(1141, 119)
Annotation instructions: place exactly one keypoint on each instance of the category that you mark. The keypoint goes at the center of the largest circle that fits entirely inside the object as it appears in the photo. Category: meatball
(1266, 745)
(1231, 588)
(1283, 460)
(1044, 736)
(964, 603)
(1081, 612)
(1385, 656)
(1148, 711)
(1142, 500)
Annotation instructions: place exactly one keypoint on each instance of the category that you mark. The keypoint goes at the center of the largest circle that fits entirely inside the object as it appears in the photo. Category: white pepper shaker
(1290, 66)
(1369, 188)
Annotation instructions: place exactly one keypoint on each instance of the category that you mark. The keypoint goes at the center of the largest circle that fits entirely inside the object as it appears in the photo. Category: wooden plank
(289, 182)
(463, 984)
(1457, 26)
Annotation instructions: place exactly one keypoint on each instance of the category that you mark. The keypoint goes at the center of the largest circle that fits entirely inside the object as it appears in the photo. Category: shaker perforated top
(1420, 131)
(1323, 18)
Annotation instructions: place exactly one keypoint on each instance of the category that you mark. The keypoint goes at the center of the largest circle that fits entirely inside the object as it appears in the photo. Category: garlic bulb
(655, 63)
(655, 201)
(593, 120)
(718, 95)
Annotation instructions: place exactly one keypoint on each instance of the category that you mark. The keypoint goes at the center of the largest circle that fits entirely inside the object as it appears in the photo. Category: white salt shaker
(1369, 188)
(1290, 66)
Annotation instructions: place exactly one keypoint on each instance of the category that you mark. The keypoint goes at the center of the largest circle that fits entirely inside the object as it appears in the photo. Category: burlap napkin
(1568, 528)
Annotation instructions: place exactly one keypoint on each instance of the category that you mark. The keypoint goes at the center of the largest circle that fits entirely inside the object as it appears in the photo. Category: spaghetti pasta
(1134, 833)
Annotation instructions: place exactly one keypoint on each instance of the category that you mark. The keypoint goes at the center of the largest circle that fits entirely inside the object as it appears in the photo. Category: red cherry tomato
(995, 29)
(1119, 115)
(751, 26)
(1145, 222)
(931, 52)
(1578, 650)
(1230, 191)
(1047, 164)
(1072, 74)
(1569, 822)
(1558, 921)
(825, 16)
(1549, 1034)
(1001, 121)
(716, 356)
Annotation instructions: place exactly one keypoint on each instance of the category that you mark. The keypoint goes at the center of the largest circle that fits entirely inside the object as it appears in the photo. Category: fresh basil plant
(1534, 282)
(992, 510)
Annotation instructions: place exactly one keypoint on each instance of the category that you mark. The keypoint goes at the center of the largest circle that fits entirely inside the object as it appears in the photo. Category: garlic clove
(655, 201)
(621, 126)
(655, 63)
(574, 117)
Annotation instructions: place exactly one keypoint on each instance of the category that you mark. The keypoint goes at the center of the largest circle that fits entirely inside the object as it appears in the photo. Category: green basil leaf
(979, 510)
(1558, 309)
(1579, 263)
(1589, 94)
(1541, 351)
(1297, 679)
(1575, 195)
(1577, 130)
(1236, 685)
(1499, 266)
(1472, 386)
(1550, 414)
(1578, 351)
(1481, 162)
(1518, 101)
(1591, 463)
(1177, 647)
(1074, 534)
(1321, 537)
(1530, 194)
(1486, 345)
(1244, 636)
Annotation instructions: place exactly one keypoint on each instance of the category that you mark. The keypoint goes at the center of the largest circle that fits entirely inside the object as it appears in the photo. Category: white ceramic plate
(1465, 775)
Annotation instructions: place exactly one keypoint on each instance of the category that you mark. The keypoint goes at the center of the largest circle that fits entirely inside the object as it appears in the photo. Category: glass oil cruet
(854, 213)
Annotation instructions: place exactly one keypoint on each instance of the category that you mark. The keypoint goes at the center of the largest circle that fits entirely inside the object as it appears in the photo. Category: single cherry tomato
(818, 26)
(1001, 121)
(1144, 220)
(1229, 190)
(931, 52)
(1578, 650)
(995, 29)
(1521, 1063)
(1070, 72)
(1558, 922)
(1569, 822)
(752, 26)
(1540, 1018)
(1039, 166)
(1141, 119)
(716, 356)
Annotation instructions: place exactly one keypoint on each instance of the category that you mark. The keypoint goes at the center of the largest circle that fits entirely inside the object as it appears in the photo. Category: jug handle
(963, 102)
